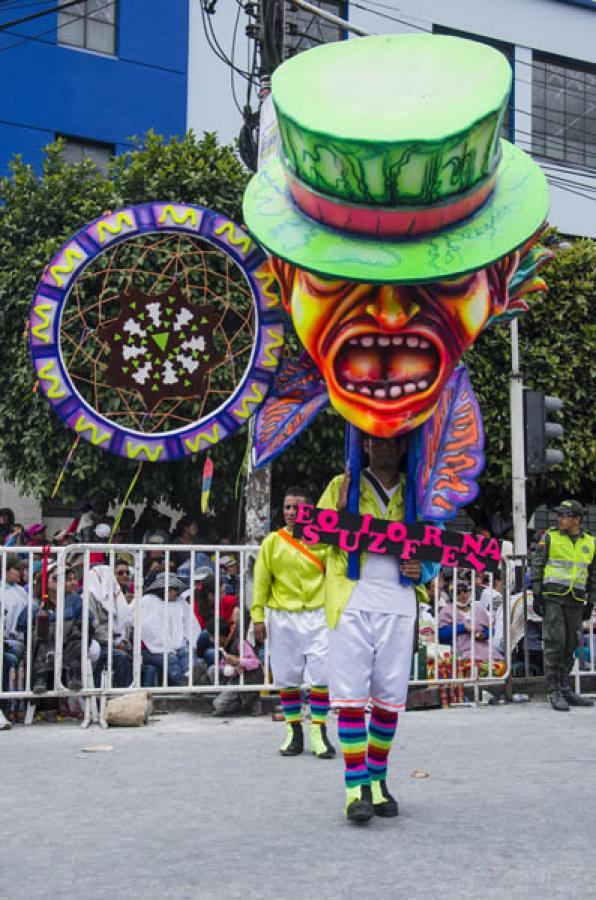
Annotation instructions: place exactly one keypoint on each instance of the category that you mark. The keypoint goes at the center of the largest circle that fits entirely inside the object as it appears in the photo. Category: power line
(45, 12)
(54, 30)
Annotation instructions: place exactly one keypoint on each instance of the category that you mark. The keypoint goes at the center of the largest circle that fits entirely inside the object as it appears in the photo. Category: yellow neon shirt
(284, 578)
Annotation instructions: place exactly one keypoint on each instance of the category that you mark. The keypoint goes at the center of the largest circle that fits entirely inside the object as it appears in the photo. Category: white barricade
(115, 637)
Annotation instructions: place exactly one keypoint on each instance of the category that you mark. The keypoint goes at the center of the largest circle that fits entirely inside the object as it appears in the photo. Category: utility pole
(257, 491)
(518, 466)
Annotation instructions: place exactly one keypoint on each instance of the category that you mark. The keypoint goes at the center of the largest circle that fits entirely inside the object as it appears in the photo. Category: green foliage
(557, 340)
(37, 214)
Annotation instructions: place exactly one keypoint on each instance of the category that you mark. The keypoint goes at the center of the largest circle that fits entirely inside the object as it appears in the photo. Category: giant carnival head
(399, 224)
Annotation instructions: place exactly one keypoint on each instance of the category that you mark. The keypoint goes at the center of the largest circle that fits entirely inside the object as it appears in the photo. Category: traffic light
(538, 431)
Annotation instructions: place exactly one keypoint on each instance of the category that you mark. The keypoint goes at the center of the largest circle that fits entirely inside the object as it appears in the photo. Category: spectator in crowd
(125, 531)
(17, 536)
(99, 505)
(229, 570)
(187, 533)
(36, 535)
(491, 597)
(438, 591)
(149, 522)
(238, 662)
(6, 523)
(472, 628)
(13, 598)
(44, 631)
(165, 631)
(123, 577)
(156, 559)
(107, 600)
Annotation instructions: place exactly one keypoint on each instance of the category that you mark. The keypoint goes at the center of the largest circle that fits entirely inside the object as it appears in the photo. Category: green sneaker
(359, 807)
(320, 744)
(294, 742)
(384, 804)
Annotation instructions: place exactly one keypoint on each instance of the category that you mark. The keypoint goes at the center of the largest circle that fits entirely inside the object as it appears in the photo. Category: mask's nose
(391, 307)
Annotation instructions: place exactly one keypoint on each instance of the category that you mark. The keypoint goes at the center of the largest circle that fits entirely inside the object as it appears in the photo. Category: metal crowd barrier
(17, 685)
(446, 666)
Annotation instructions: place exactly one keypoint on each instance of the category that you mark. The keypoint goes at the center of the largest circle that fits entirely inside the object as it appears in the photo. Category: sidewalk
(202, 808)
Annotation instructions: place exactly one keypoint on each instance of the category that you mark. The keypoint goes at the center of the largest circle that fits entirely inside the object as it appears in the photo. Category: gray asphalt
(194, 807)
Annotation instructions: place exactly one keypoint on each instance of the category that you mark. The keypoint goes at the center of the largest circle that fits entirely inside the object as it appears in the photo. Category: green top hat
(392, 167)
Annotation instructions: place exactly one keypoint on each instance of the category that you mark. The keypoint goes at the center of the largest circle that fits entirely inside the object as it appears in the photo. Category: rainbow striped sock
(381, 731)
(351, 729)
(291, 704)
(319, 704)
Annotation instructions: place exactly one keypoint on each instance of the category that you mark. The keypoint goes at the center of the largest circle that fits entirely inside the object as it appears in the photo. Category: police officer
(564, 587)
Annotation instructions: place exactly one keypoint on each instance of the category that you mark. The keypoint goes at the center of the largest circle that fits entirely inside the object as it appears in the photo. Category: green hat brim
(514, 212)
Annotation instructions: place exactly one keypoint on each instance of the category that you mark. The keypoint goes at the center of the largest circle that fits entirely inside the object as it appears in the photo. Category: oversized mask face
(386, 351)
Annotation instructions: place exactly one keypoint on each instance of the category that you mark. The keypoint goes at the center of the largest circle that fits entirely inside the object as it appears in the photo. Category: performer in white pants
(371, 635)
(288, 582)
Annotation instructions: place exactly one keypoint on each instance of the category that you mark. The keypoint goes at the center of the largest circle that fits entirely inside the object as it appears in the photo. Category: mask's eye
(322, 284)
(451, 286)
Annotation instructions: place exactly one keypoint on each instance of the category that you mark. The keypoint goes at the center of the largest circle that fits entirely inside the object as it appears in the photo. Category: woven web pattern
(151, 264)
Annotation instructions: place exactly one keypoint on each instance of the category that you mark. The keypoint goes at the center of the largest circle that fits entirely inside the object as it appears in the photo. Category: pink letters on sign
(493, 550)
(310, 534)
(304, 515)
(409, 549)
(344, 540)
(377, 542)
(449, 557)
(432, 536)
(397, 532)
(327, 520)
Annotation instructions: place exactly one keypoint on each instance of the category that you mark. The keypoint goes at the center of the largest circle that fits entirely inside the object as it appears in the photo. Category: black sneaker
(320, 744)
(384, 804)
(361, 809)
(294, 742)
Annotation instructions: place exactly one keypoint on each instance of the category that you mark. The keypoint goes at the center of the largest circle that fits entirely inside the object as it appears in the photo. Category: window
(505, 49)
(90, 24)
(564, 110)
(304, 30)
(75, 150)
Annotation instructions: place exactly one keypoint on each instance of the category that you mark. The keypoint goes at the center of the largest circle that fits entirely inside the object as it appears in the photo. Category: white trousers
(298, 647)
(370, 657)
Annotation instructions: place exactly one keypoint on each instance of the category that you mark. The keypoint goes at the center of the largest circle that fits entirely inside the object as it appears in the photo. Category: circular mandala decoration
(156, 331)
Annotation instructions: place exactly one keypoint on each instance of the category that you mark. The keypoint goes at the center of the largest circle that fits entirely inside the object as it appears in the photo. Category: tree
(557, 340)
(37, 214)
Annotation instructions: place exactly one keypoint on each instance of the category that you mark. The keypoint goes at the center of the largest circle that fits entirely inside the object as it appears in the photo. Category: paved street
(194, 807)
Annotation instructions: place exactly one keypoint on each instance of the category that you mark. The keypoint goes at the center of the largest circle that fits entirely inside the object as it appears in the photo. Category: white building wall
(550, 26)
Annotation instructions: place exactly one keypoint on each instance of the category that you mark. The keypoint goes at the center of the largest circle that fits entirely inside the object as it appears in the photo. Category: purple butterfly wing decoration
(297, 395)
(450, 452)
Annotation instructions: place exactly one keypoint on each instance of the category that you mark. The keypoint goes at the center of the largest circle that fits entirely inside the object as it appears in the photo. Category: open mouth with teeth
(387, 366)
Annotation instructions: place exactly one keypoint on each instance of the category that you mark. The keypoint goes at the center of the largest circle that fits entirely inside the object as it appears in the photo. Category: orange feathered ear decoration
(284, 272)
(514, 277)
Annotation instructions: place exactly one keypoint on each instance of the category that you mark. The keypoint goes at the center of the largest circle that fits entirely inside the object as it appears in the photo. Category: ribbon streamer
(129, 491)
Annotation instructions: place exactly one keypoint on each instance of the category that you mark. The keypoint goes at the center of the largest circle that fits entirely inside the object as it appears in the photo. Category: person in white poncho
(166, 628)
(105, 595)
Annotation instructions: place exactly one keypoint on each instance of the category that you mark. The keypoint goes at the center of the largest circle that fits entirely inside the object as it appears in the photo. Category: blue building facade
(97, 72)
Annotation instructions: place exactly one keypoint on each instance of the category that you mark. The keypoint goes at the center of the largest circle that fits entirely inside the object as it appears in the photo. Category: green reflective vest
(566, 570)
